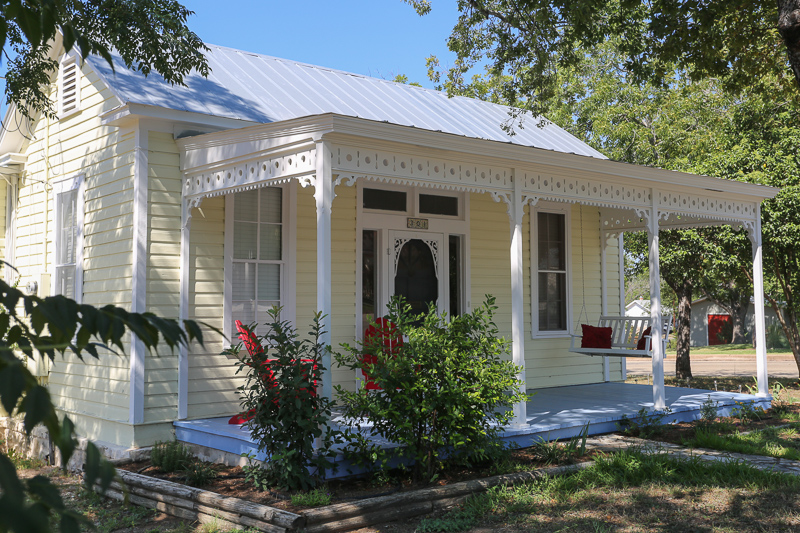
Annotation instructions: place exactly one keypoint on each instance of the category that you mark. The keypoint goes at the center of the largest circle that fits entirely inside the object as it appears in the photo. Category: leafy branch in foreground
(47, 327)
(148, 35)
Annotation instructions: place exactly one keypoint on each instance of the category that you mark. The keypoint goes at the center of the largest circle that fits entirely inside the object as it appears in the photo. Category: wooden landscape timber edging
(204, 506)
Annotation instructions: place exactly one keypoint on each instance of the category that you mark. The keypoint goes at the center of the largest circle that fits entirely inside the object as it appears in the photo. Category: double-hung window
(551, 278)
(257, 265)
(68, 235)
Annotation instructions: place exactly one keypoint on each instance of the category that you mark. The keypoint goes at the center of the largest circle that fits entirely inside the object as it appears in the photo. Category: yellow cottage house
(279, 183)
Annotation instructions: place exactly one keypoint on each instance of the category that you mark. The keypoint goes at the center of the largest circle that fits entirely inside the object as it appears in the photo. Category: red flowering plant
(282, 409)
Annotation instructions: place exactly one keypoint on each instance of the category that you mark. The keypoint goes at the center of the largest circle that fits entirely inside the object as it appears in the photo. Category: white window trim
(60, 186)
(288, 264)
(561, 209)
(68, 60)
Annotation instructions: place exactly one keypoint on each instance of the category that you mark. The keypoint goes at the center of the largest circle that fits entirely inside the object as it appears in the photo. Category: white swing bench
(626, 331)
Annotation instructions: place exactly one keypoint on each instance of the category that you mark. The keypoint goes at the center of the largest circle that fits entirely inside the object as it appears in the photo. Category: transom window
(258, 260)
(411, 202)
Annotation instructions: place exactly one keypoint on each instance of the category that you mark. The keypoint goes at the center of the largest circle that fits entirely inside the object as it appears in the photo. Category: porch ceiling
(234, 160)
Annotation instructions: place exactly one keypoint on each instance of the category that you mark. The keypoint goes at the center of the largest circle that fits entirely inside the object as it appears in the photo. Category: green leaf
(12, 384)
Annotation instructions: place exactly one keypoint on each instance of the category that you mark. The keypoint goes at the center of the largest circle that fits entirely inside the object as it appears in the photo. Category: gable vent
(69, 96)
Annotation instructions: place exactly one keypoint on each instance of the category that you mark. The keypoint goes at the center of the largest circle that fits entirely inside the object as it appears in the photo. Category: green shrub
(313, 498)
(708, 411)
(645, 424)
(746, 411)
(199, 473)
(554, 452)
(255, 474)
(171, 456)
(445, 392)
(288, 414)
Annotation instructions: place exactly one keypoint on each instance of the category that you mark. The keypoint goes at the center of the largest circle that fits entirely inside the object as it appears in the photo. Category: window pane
(384, 200)
(455, 275)
(263, 317)
(432, 204)
(243, 311)
(65, 281)
(551, 247)
(245, 206)
(271, 205)
(67, 226)
(269, 282)
(552, 301)
(244, 281)
(245, 240)
(270, 242)
(369, 276)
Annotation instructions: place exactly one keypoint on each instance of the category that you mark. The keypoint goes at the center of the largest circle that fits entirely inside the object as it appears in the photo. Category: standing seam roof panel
(259, 88)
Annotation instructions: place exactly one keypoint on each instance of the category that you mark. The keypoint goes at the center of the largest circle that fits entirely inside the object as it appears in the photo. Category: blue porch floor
(553, 413)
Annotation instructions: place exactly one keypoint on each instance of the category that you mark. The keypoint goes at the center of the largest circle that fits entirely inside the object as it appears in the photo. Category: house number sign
(417, 223)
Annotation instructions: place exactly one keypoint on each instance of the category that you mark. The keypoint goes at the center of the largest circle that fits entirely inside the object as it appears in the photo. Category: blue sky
(380, 38)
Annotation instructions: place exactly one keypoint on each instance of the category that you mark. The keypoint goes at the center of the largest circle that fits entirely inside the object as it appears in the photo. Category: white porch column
(604, 294)
(183, 354)
(659, 395)
(758, 296)
(621, 245)
(516, 212)
(323, 194)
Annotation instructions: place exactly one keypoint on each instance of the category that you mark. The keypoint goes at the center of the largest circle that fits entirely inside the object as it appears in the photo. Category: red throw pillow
(642, 344)
(594, 337)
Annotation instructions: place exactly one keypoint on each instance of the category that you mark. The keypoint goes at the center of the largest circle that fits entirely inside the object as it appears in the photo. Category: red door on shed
(716, 324)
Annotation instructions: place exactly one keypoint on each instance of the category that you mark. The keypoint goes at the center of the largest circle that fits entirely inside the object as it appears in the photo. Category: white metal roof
(259, 88)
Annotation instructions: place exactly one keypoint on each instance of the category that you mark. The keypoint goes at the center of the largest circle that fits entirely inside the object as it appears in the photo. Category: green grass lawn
(629, 491)
(771, 442)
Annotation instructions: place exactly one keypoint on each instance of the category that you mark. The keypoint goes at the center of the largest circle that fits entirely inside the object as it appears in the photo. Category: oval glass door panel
(415, 277)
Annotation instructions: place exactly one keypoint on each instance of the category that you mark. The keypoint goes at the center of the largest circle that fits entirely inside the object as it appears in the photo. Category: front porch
(552, 413)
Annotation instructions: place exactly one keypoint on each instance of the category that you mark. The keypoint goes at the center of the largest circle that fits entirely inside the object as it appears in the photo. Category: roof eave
(122, 115)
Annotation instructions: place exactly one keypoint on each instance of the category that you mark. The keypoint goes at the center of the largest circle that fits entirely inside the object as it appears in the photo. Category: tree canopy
(149, 36)
(533, 41)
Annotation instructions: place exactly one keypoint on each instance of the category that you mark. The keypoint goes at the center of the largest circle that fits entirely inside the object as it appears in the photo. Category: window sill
(551, 335)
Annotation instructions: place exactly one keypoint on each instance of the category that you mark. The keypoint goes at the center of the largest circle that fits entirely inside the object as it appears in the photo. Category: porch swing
(614, 336)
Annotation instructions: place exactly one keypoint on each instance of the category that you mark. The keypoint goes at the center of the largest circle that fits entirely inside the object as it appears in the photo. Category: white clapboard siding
(163, 271)
(92, 389)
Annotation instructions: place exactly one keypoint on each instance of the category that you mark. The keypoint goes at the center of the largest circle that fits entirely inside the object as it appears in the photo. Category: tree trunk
(683, 368)
(789, 29)
(739, 310)
(789, 325)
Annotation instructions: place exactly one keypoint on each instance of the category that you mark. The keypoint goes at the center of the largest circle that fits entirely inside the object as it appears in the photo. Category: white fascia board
(11, 140)
(13, 158)
(206, 151)
(613, 170)
(123, 114)
(213, 150)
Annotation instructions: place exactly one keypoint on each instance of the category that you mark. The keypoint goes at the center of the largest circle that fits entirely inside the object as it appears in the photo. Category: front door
(416, 269)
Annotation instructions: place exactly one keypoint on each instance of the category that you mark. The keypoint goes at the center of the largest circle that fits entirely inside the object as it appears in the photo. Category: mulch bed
(230, 481)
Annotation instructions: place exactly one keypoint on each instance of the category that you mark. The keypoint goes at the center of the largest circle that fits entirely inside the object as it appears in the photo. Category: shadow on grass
(631, 491)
